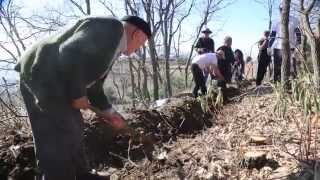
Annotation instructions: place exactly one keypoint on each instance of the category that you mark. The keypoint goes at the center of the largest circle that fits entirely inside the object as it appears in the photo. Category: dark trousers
(199, 80)
(225, 69)
(263, 63)
(57, 130)
(294, 72)
(277, 61)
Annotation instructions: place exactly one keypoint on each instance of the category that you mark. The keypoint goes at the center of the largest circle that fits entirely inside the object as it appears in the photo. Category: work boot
(90, 176)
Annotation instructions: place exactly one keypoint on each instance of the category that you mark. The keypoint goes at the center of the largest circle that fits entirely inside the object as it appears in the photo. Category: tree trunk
(303, 48)
(285, 67)
(167, 66)
(133, 85)
(145, 90)
(315, 56)
(186, 70)
(152, 49)
(313, 38)
(88, 7)
(270, 17)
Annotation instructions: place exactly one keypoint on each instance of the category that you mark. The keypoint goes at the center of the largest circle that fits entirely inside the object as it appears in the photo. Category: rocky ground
(245, 139)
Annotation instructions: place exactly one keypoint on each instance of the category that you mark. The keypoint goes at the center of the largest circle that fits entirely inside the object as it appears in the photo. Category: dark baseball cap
(139, 23)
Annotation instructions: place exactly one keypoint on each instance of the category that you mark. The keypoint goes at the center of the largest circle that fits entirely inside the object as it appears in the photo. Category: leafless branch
(78, 7)
(104, 3)
(9, 52)
(10, 109)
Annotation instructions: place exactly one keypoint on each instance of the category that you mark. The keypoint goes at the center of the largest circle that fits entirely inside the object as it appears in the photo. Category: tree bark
(313, 38)
(168, 79)
(303, 48)
(145, 89)
(285, 67)
(133, 85)
(315, 56)
(88, 7)
(152, 49)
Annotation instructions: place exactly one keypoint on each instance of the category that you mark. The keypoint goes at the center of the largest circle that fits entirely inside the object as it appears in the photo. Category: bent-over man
(65, 73)
(207, 62)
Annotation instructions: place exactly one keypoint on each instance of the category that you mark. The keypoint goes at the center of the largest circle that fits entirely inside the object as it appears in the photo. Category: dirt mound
(106, 147)
(176, 116)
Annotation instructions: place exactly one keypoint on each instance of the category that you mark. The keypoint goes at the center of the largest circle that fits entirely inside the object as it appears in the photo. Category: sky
(244, 21)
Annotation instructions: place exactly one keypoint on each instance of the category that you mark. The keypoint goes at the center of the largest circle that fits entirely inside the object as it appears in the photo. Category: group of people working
(220, 64)
(223, 64)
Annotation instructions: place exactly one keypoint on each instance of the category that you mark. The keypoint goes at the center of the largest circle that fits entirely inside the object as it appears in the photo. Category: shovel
(146, 141)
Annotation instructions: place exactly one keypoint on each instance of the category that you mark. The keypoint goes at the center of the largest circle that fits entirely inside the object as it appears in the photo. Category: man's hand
(115, 119)
(81, 103)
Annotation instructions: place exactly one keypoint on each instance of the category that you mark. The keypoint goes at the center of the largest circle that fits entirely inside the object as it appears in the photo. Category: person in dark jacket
(65, 73)
(225, 65)
(239, 65)
(205, 44)
(263, 57)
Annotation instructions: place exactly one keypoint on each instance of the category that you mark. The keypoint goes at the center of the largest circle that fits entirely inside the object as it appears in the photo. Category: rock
(260, 140)
(162, 156)
(254, 159)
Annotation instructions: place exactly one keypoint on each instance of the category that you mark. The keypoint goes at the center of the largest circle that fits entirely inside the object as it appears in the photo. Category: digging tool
(146, 141)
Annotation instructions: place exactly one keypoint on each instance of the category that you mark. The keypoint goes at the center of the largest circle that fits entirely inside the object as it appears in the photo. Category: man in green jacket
(65, 73)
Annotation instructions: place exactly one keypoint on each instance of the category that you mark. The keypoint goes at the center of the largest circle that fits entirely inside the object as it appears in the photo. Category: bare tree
(108, 6)
(168, 13)
(8, 24)
(149, 9)
(80, 8)
(21, 30)
(285, 67)
(313, 34)
(135, 8)
(269, 5)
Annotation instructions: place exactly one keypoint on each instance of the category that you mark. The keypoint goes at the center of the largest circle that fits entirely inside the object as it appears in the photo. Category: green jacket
(76, 57)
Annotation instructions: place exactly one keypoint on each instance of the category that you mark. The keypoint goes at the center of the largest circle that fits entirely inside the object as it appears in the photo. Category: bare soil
(188, 143)
(107, 148)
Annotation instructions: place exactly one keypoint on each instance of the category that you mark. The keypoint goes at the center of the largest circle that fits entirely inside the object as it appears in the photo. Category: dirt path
(218, 152)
